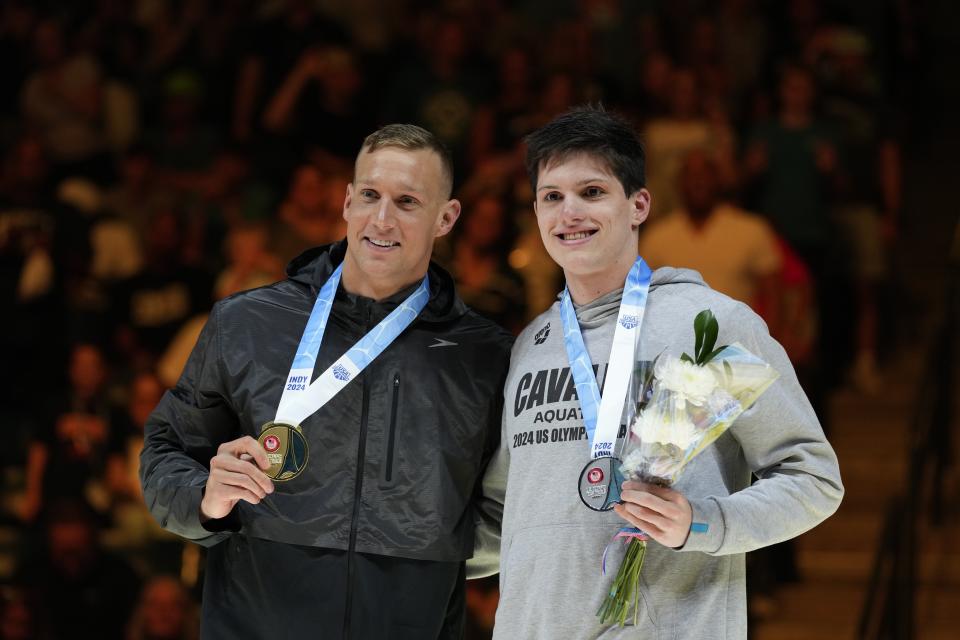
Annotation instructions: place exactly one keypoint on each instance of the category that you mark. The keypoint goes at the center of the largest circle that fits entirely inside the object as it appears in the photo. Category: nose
(384, 218)
(570, 212)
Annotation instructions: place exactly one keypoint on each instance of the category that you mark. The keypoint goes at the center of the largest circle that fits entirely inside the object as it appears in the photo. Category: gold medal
(286, 450)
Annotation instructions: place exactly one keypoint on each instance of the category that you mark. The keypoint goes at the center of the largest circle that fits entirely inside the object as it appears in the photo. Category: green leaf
(686, 358)
(699, 328)
(711, 331)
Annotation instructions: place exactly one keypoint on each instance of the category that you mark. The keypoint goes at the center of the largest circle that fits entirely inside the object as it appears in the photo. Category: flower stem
(626, 587)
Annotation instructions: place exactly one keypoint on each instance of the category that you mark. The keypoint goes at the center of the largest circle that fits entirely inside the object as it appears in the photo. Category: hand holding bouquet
(685, 405)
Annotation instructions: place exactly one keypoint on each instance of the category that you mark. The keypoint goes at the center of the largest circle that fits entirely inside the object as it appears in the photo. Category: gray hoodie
(551, 545)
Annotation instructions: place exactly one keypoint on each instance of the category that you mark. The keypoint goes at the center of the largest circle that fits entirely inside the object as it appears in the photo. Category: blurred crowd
(158, 155)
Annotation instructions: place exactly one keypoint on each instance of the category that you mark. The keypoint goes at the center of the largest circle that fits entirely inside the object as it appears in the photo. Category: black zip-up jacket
(369, 541)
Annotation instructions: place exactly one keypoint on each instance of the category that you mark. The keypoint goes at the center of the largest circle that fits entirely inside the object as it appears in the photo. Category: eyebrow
(578, 184)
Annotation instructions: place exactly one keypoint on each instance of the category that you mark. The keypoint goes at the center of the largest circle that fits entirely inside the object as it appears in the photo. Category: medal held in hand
(283, 439)
(600, 480)
(286, 450)
(600, 483)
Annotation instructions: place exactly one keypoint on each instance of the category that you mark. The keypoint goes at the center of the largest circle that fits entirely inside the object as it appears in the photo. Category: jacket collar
(314, 266)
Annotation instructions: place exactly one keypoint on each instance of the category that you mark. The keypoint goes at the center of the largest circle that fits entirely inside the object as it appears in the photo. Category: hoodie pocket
(387, 470)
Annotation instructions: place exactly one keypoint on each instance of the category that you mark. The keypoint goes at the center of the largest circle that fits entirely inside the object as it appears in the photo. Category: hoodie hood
(314, 266)
(595, 312)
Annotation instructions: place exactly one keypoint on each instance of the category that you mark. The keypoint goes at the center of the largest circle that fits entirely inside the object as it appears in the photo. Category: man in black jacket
(340, 508)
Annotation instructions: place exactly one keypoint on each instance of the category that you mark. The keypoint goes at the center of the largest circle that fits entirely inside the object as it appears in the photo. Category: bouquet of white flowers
(685, 405)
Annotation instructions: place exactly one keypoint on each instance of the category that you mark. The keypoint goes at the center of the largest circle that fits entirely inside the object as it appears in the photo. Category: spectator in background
(181, 142)
(34, 304)
(138, 195)
(735, 251)
(83, 590)
(505, 118)
(653, 90)
(867, 209)
(320, 108)
(792, 162)
(63, 100)
(274, 45)
(123, 480)
(439, 90)
(164, 611)
(484, 277)
(134, 532)
(150, 307)
(743, 43)
(793, 158)
(249, 265)
(668, 139)
(311, 213)
(67, 457)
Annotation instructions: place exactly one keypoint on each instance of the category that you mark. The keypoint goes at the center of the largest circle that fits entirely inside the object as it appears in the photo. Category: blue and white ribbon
(601, 416)
(301, 397)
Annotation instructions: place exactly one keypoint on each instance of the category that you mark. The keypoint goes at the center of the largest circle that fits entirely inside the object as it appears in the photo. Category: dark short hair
(594, 131)
(410, 137)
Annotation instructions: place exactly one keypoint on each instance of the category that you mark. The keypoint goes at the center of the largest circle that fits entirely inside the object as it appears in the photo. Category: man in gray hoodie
(587, 170)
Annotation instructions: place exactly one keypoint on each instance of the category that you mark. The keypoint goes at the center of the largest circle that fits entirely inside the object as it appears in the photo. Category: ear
(447, 218)
(347, 199)
(639, 208)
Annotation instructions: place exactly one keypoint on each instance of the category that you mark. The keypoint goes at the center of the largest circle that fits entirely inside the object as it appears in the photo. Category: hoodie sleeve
(488, 513)
(797, 478)
(180, 438)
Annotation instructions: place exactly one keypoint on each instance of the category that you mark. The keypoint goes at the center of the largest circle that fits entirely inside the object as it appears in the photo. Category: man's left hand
(663, 514)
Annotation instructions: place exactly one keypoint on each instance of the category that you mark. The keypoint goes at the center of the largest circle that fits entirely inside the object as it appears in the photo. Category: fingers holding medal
(236, 473)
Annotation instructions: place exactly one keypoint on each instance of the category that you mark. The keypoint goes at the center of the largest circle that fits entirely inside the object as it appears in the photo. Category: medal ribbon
(301, 398)
(601, 416)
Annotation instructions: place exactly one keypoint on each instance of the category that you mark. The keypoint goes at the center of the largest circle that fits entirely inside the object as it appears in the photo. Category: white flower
(651, 428)
(690, 381)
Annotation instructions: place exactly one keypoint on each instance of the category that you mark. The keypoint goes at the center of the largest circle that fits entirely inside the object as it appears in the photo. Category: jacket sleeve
(797, 475)
(182, 435)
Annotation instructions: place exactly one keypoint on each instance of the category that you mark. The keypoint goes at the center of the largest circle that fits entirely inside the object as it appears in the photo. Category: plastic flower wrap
(682, 405)
(690, 406)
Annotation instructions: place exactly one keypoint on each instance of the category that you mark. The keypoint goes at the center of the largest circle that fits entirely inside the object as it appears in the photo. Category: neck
(587, 288)
(358, 283)
(698, 217)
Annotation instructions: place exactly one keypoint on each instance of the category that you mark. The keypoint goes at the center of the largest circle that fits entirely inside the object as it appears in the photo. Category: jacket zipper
(358, 490)
(391, 438)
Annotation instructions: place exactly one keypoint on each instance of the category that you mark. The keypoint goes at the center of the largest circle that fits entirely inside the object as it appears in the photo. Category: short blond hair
(410, 137)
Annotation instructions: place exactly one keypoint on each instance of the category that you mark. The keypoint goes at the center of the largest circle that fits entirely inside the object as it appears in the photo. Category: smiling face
(589, 226)
(395, 207)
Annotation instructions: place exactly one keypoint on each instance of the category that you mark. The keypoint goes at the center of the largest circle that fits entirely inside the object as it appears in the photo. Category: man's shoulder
(678, 298)
(481, 329)
(284, 293)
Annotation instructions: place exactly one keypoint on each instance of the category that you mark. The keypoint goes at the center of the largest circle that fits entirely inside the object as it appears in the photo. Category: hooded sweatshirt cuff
(707, 528)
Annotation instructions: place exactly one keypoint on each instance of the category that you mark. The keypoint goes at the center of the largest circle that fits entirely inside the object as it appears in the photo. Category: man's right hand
(234, 476)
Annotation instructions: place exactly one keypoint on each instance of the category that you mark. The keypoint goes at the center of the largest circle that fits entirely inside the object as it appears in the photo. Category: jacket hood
(597, 311)
(314, 266)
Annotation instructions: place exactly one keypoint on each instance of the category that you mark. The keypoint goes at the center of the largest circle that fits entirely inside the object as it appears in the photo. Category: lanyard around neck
(601, 416)
(301, 398)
